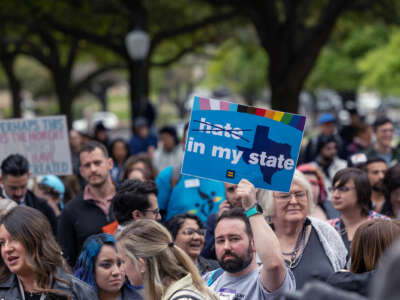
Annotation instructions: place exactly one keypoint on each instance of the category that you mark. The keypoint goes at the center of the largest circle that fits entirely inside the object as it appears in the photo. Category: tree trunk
(63, 91)
(137, 86)
(285, 94)
(65, 107)
(14, 84)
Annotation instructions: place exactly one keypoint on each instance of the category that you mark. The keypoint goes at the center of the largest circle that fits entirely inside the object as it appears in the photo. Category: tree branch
(159, 37)
(83, 34)
(91, 76)
(72, 51)
(179, 55)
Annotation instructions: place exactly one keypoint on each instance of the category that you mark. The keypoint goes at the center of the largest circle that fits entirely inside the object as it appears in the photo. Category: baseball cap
(326, 118)
(54, 182)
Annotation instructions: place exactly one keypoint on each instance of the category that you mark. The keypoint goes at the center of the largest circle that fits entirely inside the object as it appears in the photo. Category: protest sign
(228, 142)
(43, 141)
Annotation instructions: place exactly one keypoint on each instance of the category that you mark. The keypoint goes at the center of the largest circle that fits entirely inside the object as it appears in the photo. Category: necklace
(299, 245)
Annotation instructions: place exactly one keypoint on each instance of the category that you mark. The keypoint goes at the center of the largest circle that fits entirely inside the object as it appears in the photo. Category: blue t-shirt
(138, 144)
(194, 195)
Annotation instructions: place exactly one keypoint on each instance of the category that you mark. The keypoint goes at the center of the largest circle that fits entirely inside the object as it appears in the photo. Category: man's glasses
(341, 189)
(191, 231)
(154, 211)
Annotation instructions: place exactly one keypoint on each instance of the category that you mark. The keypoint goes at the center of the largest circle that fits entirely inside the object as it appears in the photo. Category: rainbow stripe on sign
(295, 121)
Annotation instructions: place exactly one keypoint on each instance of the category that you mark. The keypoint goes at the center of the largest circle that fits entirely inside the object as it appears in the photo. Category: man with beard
(376, 168)
(327, 160)
(239, 234)
(90, 212)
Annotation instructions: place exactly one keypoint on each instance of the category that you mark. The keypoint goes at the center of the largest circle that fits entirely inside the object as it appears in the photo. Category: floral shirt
(371, 215)
(340, 227)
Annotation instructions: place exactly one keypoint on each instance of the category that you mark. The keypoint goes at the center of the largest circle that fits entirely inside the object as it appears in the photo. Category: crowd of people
(128, 225)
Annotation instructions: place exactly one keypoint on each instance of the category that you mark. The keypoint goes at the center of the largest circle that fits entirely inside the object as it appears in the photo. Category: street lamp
(137, 43)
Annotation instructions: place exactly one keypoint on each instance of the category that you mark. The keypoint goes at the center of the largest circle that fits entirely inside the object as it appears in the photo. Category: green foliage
(337, 66)
(241, 68)
(381, 67)
(34, 77)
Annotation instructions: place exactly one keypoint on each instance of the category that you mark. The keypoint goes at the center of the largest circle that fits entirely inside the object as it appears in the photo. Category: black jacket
(130, 293)
(79, 220)
(353, 282)
(209, 248)
(79, 290)
(41, 205)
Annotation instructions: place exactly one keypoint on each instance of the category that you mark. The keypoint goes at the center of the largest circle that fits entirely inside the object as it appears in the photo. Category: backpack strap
(214, 276)
(185, 294)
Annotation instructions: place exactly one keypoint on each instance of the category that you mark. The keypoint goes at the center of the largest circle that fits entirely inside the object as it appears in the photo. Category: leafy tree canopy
(381, 67)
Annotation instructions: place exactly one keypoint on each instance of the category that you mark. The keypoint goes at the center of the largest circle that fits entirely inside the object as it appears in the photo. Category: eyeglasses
(288, 196)
(191, 231)
(341, 189)
(154, 211)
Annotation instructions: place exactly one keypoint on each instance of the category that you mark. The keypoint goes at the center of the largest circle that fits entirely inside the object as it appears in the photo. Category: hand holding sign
(247, 192)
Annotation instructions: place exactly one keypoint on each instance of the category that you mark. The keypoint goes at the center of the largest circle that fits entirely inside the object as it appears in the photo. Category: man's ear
(253, 245)
(137, 214)
(110, 163)
(1, 179)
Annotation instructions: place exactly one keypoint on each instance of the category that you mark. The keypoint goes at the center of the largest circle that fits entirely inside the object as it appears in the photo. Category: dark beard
(237, 264)
(378, 187)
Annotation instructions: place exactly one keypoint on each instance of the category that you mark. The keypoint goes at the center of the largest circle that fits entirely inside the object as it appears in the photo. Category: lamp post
(137, 43)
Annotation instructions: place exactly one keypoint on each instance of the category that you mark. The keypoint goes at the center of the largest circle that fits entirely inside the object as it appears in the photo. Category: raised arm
(266, 243)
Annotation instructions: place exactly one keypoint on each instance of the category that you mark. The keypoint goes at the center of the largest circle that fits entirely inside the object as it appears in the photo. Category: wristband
(254, 210)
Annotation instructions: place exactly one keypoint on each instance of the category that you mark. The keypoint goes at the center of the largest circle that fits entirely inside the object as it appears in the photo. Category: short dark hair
(239, 214)
(323, 140)
(15, 165)
(360, 128)
(175, 223)
(374, 159)
(381, 121)
(361, 183)
(119, 140)
(171, 131)
(91, 146)
(132, 195)
(150, 172)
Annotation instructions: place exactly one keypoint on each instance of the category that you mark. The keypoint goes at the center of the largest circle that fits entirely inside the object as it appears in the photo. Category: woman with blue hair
(100, 266)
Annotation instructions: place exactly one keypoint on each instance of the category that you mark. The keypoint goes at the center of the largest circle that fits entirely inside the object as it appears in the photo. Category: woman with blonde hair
(31, 264)
(170, 272)
(309, 246)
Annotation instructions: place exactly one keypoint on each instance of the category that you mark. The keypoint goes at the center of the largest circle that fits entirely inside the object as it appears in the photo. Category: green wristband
(252, 211)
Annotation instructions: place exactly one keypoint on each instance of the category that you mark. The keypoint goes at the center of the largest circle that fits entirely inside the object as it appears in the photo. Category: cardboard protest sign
(228, 142)
(43, 141)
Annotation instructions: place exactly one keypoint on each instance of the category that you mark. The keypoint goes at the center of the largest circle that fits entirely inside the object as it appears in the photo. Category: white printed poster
(43, 141)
